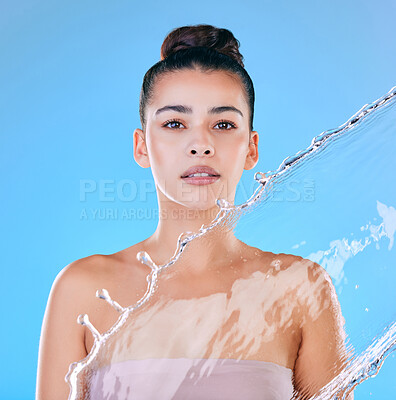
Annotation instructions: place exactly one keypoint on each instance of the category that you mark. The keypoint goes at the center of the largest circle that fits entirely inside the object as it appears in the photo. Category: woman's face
(209, 127)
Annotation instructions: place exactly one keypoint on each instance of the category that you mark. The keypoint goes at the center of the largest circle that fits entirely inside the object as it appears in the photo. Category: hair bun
(221, 40)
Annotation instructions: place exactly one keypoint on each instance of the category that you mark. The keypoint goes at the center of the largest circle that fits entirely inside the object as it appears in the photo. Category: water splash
(340, 251)
(366, 365)
(358, 369)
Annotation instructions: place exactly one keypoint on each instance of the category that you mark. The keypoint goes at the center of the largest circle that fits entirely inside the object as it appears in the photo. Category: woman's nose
(201, 145)
(198, 150)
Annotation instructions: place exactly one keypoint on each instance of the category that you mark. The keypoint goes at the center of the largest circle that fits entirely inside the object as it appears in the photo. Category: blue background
(70, 76)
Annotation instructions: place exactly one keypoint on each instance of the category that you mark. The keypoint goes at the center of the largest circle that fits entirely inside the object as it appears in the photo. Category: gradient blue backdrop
(70, 76)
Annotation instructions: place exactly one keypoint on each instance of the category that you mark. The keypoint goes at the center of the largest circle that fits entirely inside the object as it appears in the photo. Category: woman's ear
(140, 153)
(252, 155)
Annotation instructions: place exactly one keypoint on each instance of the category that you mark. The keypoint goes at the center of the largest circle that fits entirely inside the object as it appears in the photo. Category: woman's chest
(253, 318)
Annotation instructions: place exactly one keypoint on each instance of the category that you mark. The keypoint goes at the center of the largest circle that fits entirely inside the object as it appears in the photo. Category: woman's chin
(200, 206)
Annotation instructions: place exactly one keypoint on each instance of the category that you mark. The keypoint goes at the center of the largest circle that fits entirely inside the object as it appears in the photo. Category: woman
(277, 315)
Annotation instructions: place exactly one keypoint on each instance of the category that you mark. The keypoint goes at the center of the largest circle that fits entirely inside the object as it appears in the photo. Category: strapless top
(192, 379)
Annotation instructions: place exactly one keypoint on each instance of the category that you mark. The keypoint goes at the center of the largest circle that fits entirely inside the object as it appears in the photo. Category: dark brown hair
(198, 46)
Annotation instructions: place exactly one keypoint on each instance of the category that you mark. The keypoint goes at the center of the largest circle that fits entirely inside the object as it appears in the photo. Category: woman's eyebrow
(188, 110)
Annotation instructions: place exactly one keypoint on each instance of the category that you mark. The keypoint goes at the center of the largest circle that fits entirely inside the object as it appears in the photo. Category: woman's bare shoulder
(298, 271)
(316, 290)
(82, 268)
(285, 261)
(97, 268)
(308, 269)
(120, 273)
(83, 277)
(68, 298)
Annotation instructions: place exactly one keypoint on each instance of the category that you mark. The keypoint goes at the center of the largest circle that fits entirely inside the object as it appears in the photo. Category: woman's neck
(208, 249)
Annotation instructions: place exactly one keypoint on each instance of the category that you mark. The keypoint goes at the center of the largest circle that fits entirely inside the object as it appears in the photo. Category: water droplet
(260, 177)
(185, 236)
(102, 294)
(223, 203)
(276, 264)
(144, 258)
(82, 319)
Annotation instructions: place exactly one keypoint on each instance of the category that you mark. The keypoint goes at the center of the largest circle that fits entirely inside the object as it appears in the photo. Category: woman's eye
(172, 124)
(223, 125)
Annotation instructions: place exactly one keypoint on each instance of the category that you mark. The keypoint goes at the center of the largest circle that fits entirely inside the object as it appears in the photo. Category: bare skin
(308, 344)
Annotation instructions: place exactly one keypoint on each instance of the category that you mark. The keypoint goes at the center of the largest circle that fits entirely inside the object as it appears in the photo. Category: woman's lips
(201, 180)
(200, 169)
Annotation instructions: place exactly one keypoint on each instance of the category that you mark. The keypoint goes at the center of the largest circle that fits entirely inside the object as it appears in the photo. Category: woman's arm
(322, 353)
(62, 339)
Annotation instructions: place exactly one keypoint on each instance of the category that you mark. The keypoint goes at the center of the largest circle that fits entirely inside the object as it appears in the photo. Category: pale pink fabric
(192, 379)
